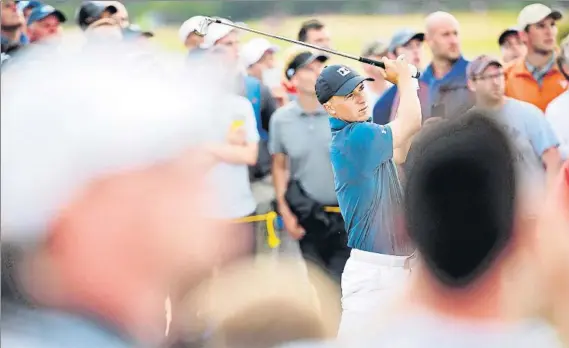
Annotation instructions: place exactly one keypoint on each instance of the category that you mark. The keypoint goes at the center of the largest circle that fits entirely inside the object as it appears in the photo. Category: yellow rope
(269, 218)
(272, 239)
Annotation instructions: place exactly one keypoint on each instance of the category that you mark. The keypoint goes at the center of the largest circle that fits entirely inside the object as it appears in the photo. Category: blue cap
(402, 37)
(22, 5)
(43, 11)
(337, 80)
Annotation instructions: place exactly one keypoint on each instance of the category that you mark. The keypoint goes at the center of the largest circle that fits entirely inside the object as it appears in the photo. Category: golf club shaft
(327, 50)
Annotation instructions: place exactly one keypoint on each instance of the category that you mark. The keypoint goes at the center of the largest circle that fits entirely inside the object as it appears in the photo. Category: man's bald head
(441, 34)
(434, 20)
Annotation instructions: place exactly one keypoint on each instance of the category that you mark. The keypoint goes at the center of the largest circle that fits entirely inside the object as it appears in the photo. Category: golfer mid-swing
(363, 156)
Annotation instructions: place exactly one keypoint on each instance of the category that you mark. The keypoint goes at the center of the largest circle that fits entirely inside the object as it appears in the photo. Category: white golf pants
(369, 282)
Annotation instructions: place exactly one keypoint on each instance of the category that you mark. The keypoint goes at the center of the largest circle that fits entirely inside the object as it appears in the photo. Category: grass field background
(478, 32)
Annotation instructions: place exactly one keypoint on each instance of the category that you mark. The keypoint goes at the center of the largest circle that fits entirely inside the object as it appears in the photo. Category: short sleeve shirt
(232, 180)
(531, 134)
(368, 187)
(305, 139)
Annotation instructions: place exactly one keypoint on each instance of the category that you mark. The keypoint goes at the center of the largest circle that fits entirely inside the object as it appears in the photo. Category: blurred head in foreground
(462, 213)
(102, 193)
(460, 199)
(283, 308)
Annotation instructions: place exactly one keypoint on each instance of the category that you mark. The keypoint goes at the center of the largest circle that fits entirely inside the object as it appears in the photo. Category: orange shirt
(521, 85)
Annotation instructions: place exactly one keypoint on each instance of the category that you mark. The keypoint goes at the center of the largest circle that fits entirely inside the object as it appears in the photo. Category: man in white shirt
(234, 143)
(236, 140)
(557, 111)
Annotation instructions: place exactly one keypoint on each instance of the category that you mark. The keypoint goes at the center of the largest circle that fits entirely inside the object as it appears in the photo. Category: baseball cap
(403, 36)
(504, 35)
(301, 60)
(91, 13)
(253, 50)
(337, 80)
(216, 32)
(43, 11)
(479, 64)
(23, 5)
(191, 25)
(375, 48)
(535, 13)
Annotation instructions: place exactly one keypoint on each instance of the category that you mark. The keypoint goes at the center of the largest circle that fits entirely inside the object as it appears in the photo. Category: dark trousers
(327, 249)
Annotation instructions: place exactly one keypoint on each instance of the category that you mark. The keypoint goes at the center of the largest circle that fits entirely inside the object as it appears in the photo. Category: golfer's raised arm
(408, 120)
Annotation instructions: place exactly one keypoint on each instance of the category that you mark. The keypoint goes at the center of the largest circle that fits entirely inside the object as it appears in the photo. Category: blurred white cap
(535, 13)
(189, 26)
(253, 50)
(216, 32)
(60, 132)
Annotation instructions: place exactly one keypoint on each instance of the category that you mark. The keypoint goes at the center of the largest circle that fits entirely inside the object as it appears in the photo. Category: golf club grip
(381, 65)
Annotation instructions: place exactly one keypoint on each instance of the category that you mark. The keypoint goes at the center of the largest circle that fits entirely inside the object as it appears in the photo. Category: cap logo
(290, 72)
(47, 8)
(343, 71)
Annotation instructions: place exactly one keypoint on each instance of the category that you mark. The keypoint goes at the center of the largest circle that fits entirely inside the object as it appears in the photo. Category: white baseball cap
(189, 26)
(253, 50)
(216, 32)
(535, 13)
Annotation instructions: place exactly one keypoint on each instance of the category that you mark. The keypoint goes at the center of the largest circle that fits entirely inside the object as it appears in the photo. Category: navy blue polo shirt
(367, 186)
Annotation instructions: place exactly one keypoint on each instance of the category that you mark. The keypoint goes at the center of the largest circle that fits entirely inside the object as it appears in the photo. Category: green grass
(479, 32)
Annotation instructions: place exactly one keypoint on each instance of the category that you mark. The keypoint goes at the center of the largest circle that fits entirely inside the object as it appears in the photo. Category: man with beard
(443, 92)
(536, 79)
(12, 26)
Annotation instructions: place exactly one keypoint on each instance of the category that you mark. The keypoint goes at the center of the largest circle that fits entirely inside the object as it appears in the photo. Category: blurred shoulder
(559, 104)
(523, 108)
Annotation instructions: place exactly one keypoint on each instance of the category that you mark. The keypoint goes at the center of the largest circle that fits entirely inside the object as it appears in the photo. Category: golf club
(207, 21)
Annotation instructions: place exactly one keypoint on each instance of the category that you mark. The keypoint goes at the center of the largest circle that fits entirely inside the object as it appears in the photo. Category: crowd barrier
(273, 222)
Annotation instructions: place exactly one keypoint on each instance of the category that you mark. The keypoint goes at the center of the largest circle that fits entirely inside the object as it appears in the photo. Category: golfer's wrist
(405, 82)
